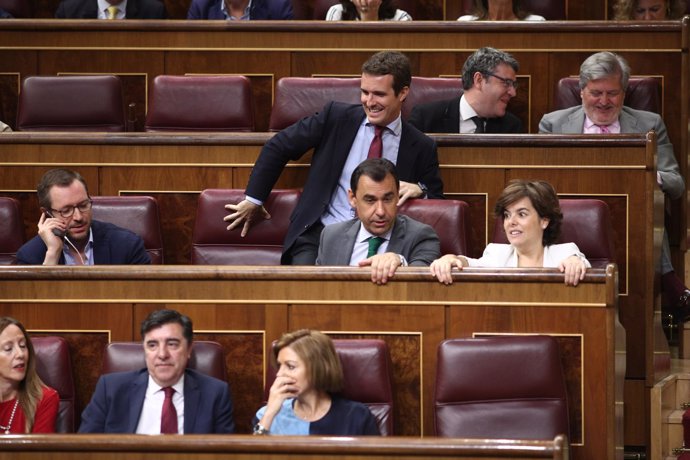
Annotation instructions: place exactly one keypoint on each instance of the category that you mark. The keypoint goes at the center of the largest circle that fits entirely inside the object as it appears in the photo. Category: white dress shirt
(150, 418)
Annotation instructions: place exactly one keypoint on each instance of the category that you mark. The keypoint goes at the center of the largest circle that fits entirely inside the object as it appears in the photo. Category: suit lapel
(628, 122)
(138, 393)
(398, 236)
(406, 158)
(344, 254)
(132, 9)
(575, 123)
(101, 248)
(90, 11)
(451, 117)
(191, 401)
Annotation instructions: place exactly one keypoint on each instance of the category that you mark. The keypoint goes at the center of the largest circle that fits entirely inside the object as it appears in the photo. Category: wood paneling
(412, 313)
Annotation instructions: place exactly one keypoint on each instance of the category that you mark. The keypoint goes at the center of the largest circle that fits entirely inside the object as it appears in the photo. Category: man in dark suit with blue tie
(165, 397)
(341, 136)
(488, 82)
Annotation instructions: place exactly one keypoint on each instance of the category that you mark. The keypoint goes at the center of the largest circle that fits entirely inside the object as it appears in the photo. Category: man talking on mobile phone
(67, 234)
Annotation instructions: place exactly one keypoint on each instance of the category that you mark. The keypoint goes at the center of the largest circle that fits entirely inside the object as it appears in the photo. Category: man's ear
(352, 199)
(477, 78)
(402, 95)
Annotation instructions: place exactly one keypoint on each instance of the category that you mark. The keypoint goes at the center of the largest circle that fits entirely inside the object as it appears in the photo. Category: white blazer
(499, 255)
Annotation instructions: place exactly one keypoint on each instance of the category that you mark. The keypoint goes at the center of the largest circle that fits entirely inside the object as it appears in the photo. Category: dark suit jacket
(444, 117)
(119, 397)
(112, 245)
(417, 242)
(5, 15)
(88, 9)
(260, 9)
(331, 133)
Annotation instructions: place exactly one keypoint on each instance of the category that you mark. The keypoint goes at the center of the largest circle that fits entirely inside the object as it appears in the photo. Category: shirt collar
(363, 234)
(466, 110)
(613, 127)
(103, 7)
(395, 126)
(153, 387)
(245, 15)
(68, 250)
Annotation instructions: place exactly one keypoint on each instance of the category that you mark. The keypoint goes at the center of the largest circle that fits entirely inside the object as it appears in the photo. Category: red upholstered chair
(643, 93)
(367, 370)
(55, 369)
(424, 90)
(450, 219)
(71, 103)
(586, 223)
(552, 10)
(298, 97)
(17, 8)
(207, 358)
(509, 387)
(212, 244)
(200, 103)
(136, 213)
(11, 230)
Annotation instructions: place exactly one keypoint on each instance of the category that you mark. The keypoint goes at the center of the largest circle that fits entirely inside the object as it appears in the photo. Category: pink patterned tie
(604, 129)
(169, 413)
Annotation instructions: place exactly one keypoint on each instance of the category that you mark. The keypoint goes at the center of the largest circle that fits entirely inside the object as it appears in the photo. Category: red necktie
(376, 147)
(169, 413)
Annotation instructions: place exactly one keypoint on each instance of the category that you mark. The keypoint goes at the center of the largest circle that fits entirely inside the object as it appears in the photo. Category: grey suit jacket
(572, 121)
(417, 242)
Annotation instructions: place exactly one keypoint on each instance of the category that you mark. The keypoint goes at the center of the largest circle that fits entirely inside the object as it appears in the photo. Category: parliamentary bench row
(225, 103)
(586, 222)
(246, 308)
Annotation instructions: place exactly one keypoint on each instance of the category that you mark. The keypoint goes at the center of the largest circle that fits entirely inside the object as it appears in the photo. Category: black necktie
(480, 124)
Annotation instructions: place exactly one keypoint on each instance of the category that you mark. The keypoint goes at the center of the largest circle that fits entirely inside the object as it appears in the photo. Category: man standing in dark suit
(342, 136)
(111, 9)
(488, 81)
(165, 397)
(67, 234)
(378, 237)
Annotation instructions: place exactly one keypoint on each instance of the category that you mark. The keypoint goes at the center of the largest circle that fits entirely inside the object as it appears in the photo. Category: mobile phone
(56, 231)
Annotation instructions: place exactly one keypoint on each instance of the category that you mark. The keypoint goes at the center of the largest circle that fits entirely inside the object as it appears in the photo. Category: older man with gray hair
(488, 81)
(603, 81)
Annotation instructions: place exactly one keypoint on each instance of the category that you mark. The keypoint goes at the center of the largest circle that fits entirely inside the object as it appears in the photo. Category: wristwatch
(424, 188)
(259, 429)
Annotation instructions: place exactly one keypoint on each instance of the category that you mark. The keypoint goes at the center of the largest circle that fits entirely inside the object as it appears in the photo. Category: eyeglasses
(507, 82)
(69, 211)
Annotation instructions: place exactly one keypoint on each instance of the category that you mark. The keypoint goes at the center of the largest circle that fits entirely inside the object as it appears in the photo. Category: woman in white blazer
(532, 221)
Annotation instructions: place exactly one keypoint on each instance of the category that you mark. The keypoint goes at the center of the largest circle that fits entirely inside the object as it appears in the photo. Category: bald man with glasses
(67, 234)
(489, 83)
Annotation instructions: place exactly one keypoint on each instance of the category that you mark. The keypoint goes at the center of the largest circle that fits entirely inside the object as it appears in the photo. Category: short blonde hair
(317, 351)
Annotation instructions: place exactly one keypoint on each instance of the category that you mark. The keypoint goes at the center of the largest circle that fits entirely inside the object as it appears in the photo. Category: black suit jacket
(88, 9)
(444, 117)
(331, 133)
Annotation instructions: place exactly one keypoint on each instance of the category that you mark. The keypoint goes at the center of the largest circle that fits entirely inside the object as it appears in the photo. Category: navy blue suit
(260, 10)
(119, 397)
(88, 9)
(331, 133)
(112, 245)
(444, 117)
(5, 15)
